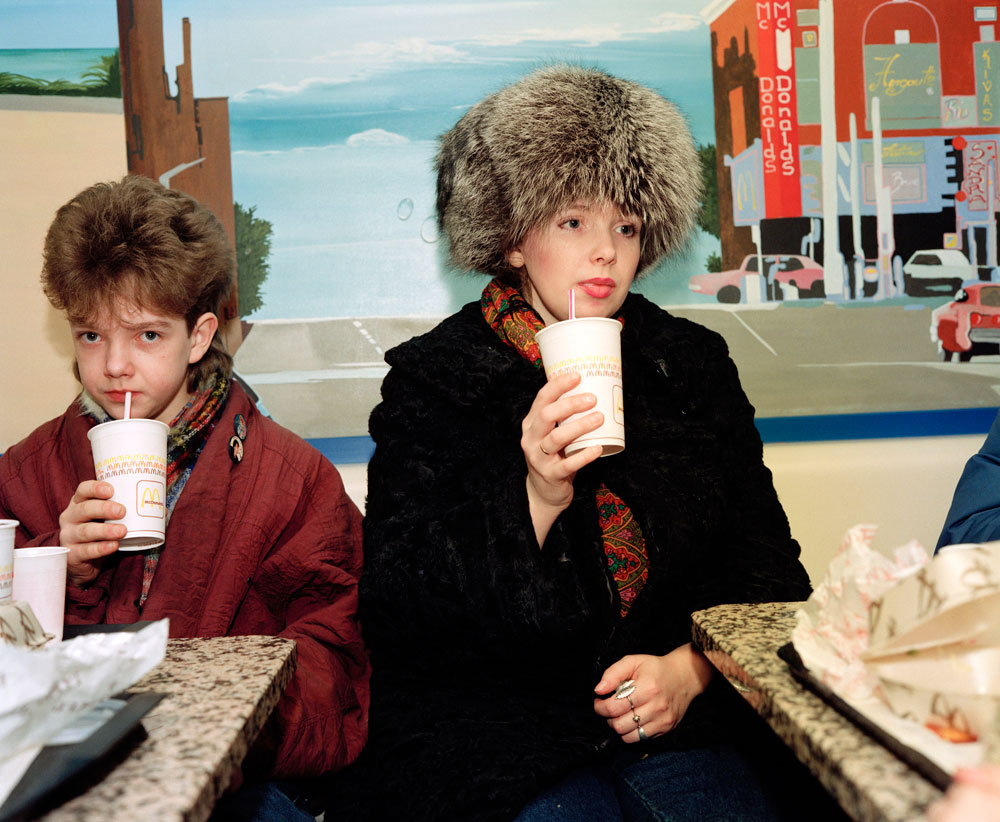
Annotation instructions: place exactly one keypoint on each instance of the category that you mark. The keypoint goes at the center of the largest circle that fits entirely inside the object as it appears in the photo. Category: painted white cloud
(377, 137)
(273, 91)
(371, 137)
(353, 63)
(594, 34)
(407, 49)
(672, 21)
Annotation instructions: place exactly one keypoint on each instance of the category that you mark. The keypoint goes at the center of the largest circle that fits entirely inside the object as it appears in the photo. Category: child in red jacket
(261, 537)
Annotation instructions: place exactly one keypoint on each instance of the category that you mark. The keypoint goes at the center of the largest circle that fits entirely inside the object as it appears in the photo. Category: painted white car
(937, 270)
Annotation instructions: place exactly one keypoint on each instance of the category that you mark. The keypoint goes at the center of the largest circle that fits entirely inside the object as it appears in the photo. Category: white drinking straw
(572, 305)
(128, 404)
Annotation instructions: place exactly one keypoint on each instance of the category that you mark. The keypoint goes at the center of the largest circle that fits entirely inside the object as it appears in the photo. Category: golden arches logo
(618, 404)
(149, 499)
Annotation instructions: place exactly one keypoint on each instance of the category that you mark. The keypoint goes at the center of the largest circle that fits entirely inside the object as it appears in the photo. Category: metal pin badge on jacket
(240, 426)
(236, 449)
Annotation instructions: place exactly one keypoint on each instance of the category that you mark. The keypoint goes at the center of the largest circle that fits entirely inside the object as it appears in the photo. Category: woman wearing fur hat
(510, 589)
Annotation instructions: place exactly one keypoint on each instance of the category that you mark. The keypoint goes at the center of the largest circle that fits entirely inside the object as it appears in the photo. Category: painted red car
(969, 324)
(792, 270)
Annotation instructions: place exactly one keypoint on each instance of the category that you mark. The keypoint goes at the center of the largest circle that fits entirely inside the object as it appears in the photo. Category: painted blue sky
(259, 47)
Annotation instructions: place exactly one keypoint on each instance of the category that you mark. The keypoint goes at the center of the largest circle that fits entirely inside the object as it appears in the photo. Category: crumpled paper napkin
(831, 630)
(43, 690)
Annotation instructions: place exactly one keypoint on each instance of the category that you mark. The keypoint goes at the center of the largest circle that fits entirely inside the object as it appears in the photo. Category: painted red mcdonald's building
(789, 74)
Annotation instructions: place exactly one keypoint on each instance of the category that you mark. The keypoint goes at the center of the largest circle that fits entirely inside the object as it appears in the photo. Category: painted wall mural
(848, 242)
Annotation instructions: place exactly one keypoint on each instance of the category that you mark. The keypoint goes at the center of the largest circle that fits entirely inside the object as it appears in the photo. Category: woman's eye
(150, 336)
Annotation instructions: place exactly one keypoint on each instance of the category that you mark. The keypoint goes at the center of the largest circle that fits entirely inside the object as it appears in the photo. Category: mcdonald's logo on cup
(149, 499)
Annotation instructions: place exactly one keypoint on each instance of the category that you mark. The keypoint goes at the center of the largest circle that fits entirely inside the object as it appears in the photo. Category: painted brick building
(818, 101)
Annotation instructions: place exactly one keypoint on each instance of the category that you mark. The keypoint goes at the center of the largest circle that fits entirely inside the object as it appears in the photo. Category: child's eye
(150, 336)
(90, 336)
(572, 222)
(628, 230)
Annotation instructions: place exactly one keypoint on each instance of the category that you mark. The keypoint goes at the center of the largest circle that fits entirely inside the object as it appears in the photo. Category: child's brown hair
(137, 241)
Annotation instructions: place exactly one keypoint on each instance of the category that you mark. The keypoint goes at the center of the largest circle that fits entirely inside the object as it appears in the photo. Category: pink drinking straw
(128, 404)
(572, 304)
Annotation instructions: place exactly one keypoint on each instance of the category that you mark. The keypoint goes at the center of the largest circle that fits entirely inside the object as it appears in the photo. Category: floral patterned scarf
(188, 432)
(516, 322)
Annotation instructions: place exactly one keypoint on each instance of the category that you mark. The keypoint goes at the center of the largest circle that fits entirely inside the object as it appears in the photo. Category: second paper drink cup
(40, 580)
(591, 346)
(7, 529)
(132, 456)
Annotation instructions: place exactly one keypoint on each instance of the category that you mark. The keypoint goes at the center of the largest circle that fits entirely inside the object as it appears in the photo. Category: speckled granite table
(868, 781)
(220, 691)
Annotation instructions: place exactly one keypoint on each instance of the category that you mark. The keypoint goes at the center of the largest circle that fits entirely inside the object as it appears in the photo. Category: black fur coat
(485, 650)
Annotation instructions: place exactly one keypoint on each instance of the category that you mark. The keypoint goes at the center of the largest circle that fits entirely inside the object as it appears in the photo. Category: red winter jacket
(269, 545)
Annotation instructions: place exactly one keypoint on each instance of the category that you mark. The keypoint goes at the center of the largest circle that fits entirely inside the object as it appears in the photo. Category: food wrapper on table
(20, 627)
(935, 643)
(912, 643)
(44, 689)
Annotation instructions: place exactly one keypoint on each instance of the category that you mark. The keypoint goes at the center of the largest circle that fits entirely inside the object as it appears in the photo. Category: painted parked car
(940, 270)
(792, 270)
(969, 324)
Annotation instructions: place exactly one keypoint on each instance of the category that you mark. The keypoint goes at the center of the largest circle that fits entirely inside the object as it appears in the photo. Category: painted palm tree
(104, 76)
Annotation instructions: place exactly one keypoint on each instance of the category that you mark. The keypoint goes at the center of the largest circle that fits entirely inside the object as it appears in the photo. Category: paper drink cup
(591, 346)
(40, 580)
(132, 456)
(7, 529)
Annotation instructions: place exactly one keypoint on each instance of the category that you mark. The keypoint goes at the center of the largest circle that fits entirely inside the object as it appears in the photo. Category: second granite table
(868, 781)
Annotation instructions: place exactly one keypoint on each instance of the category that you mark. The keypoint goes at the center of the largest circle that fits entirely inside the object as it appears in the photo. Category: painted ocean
(51, 64)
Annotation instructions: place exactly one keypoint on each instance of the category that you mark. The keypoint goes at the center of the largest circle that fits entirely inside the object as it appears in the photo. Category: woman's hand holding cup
(543, 437)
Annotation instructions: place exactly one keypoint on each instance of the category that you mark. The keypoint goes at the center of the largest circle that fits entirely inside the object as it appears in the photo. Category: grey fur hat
(562, 133)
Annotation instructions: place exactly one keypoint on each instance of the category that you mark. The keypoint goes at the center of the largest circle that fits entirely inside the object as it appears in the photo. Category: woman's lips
(599, 288)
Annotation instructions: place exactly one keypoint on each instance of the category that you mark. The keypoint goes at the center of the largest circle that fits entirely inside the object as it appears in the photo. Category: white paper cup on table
(590, 346)
(40, 580)
(7, 529)
(132, 456)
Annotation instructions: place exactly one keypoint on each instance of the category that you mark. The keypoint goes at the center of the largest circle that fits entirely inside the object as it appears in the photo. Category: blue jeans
(261, 802)
(698, 785)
